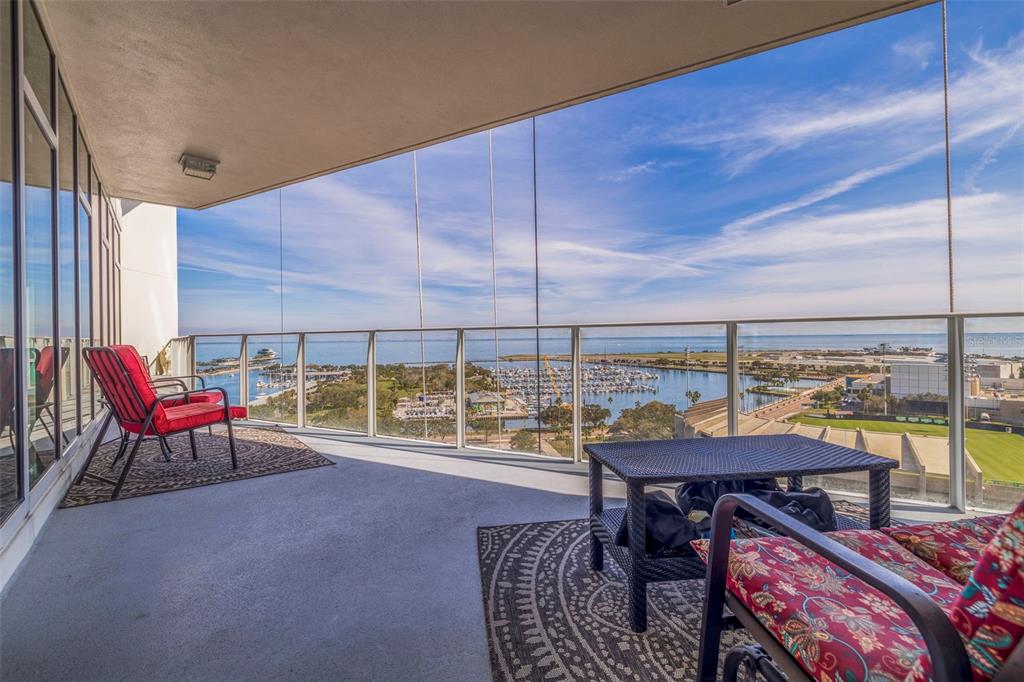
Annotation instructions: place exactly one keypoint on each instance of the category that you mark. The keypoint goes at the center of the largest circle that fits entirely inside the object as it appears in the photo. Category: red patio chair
(126, 386)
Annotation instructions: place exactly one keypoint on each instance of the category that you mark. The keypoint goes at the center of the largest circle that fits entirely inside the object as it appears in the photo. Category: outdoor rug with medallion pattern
(260, 451)
(549, 617)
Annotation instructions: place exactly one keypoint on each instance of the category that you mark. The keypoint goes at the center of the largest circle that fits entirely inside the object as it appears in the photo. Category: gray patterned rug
(549, 617)
(260, 452)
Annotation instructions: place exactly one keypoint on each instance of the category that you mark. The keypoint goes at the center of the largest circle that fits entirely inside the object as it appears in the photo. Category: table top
(731, 458)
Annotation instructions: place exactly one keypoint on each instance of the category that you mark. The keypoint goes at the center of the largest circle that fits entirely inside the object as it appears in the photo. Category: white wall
(149, 272)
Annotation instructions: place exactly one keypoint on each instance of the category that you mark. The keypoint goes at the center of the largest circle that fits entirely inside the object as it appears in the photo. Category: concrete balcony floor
(366, 570)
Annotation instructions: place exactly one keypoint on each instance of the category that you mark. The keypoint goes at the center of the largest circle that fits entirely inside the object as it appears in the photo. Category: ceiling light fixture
(198, 167)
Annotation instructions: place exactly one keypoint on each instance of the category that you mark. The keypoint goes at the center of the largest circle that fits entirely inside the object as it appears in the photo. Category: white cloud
(920, 50)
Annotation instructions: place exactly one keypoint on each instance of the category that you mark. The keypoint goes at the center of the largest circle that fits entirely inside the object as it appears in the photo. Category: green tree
(484, 425)
(524, 441)
(827, 398)
(558, 416)
(693, 396)
(593, 416)
(653, 421)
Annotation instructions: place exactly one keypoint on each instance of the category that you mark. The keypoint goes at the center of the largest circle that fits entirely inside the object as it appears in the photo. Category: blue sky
(809, 180)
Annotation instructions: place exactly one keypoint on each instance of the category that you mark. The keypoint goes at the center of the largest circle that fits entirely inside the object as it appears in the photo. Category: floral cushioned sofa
(940, 601)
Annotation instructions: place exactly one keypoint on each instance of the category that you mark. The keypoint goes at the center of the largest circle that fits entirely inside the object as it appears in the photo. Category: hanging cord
(494, 277)
(536, 275)
(949, 176)
(419, 282)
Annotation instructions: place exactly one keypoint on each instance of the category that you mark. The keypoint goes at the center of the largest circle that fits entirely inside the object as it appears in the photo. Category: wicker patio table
(643, 463)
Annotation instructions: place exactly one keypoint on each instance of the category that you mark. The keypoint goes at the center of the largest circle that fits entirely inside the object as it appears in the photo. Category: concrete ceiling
(283, 91)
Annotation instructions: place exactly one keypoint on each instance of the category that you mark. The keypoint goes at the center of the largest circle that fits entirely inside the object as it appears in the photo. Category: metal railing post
(460, 388)
(732, 376)
(300, 382)
(243, 371)
(577, 396)
(190, 358)
(371, 384)
(957, 444)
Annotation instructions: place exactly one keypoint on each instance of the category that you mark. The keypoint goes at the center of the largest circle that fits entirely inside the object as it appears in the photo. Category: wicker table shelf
(643, 463)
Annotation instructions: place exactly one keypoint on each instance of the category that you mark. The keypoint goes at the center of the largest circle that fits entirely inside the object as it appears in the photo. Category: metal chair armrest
(946, 649)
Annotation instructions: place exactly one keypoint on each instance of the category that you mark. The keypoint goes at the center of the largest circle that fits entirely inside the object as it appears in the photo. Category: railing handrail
(599, 325)
(730, 330)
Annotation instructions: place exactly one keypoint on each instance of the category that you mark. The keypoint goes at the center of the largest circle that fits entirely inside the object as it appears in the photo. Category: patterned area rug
(549, 617)
(260, 451)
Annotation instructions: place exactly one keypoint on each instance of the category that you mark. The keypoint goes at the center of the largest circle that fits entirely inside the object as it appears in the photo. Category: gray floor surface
(366, 570)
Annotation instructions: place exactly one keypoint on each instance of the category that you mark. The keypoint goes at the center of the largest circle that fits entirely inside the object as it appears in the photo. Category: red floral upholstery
(953, 547)
(834, 625)
(990, 612)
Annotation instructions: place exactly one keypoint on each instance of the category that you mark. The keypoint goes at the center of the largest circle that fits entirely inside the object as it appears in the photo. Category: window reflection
(9, 492)
(43, 362)
(38, 66)
(66, 211)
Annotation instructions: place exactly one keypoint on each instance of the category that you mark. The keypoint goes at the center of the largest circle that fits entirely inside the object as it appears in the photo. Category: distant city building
(991, 369)
(874, 382)
(918, 379)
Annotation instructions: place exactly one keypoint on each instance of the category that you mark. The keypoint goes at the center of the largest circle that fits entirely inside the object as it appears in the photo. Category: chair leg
(192, 442)
(128, 464)
(120, 450)
(231, 444)
(95, 446)
(165, 448)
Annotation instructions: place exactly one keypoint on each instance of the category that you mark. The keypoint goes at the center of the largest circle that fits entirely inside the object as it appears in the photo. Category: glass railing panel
(653, 383)
(217, 362)
(501, 390)
(994, 411)
(554, 365)
(877, 386)
(336, 381)
(416, 385)
(273, 378)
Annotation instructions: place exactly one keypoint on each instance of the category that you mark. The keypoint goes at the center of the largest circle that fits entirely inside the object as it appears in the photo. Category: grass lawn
(1000, 455)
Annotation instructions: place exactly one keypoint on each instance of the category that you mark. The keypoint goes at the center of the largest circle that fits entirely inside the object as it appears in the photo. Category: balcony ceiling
(283, 91)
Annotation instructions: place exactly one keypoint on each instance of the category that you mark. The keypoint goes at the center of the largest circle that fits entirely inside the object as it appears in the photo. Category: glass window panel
(877, 386)
(639, 382)
(42, 360)
(994, 396)
(336, 381)
(986, 99)
(416, 385)
(38, 65)
(272, 378)
(514, 257)
(9, 420)
(805, 180)
(85, 308)
(366, 279)
(217, 362)
(83, 165)
(66, 211)
(455, 232)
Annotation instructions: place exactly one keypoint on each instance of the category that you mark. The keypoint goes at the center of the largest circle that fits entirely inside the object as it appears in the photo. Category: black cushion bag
(668, 530)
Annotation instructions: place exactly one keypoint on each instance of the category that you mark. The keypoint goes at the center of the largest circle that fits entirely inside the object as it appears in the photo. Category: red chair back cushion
(989, 615)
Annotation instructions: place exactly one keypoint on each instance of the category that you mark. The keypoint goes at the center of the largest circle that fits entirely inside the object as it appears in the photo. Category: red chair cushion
(989, 615)
(188, 417)
(833, 624)
(953, 547)
(207, 397)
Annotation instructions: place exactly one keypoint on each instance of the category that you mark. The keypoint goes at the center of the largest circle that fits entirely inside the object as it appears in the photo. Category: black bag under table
(658, 462)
